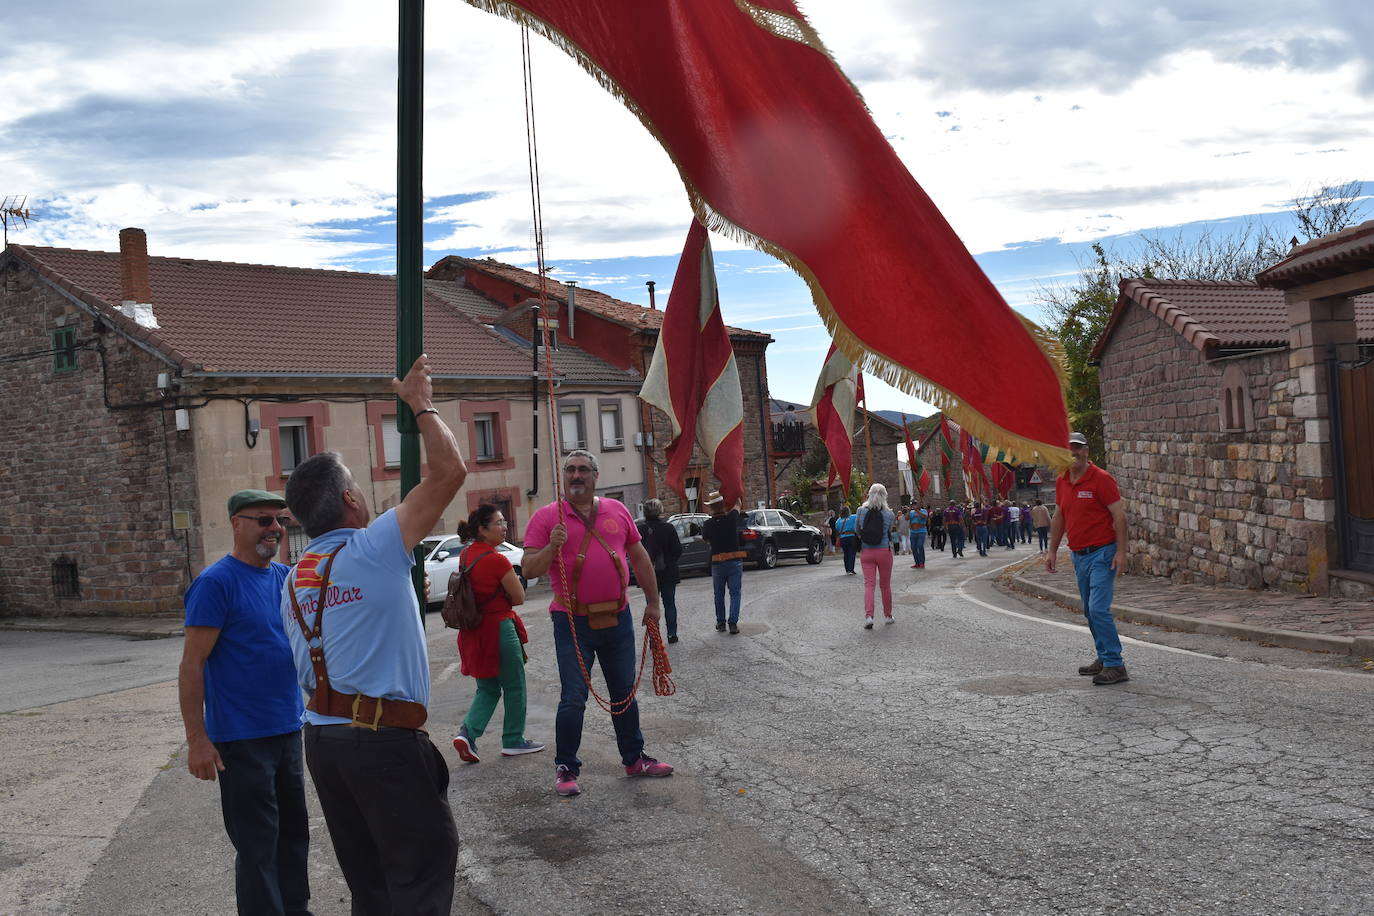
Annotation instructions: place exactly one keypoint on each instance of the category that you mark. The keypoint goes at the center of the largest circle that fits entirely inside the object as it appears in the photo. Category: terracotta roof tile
(617, 310)
(1341, 252)
(231, 318)
(1211, 314)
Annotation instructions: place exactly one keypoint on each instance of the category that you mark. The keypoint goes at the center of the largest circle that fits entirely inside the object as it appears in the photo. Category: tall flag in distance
(833, 406)
(1004, 479)
(973, 464)
(777, 149)
(693, 377)
(946, 452)
(911, 461)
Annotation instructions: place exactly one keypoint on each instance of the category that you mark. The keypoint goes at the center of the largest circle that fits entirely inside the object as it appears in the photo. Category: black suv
(775, 534)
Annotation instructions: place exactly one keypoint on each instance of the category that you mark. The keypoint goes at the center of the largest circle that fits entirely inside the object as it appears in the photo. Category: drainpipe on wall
(534, 410)
(764, 423)
(572, 309)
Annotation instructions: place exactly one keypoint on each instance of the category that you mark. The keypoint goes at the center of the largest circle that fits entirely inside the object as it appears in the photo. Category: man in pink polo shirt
(1090, 510)
(583, 544)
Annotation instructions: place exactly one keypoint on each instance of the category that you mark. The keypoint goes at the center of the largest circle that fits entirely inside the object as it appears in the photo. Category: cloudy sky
(265, 132)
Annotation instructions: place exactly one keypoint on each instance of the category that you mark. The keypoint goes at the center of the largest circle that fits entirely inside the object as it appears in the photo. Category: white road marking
(959, 590)
(446, 673)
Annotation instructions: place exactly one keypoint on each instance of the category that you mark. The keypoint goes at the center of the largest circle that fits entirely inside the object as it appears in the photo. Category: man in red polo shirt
(1090, 510)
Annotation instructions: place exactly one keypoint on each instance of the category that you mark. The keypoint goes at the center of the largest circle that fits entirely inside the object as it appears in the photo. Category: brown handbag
(460, 611)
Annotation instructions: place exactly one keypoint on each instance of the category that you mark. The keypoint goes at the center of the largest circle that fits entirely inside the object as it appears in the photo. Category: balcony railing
(789, 438)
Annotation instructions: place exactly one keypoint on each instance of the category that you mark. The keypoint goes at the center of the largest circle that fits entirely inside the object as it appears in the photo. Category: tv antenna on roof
(14, 210)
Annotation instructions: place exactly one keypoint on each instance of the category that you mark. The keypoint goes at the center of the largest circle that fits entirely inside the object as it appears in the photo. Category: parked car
(696, 553)
(776, 534)
(441, 559)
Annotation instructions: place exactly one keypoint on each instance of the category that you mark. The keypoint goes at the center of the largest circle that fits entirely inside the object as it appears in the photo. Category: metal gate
(1352, 440)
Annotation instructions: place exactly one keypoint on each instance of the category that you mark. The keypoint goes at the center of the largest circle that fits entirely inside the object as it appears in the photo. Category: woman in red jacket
(492, 653)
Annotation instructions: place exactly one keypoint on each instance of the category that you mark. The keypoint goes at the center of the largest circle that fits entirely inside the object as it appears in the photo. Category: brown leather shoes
(1116, 674)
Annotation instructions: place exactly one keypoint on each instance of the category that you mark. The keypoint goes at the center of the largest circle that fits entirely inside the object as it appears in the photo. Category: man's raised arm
(423, 506)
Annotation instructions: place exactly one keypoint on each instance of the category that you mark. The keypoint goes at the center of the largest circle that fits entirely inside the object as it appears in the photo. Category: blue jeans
(980, 537)
(614, 647)
(727, 574)
(262, 797)
(1044, 535)
(956, 540)
(1009, 535)
(1096, 583)
(918, 547)
(667, 595)
(850, 546)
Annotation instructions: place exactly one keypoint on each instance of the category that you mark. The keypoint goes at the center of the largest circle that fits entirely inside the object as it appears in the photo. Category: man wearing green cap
(241, 708)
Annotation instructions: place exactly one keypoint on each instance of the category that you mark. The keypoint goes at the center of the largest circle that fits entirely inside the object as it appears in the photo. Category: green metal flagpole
(410, 99)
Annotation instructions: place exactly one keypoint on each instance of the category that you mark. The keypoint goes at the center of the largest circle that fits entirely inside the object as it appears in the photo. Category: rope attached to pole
(653, 638)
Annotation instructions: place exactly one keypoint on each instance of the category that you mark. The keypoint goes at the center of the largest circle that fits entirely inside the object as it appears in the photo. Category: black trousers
(262, 797)
(385, 799)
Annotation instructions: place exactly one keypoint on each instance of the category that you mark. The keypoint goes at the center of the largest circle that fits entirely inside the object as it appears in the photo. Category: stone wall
(1205, 504)
(753, 374)
(87, 484)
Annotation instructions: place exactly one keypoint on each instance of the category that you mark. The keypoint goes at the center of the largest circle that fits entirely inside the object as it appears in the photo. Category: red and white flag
(918, 474)
(833, 407)
(777, 149)
(693, 377)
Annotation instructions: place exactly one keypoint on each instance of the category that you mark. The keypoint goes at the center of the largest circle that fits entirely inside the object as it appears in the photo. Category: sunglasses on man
(265, 521)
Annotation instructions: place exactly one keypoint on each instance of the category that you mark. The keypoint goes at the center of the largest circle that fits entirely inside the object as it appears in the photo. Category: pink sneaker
(648, 766)
(566, 784)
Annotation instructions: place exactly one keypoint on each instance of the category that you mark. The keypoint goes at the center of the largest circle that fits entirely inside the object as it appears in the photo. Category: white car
(442, 554)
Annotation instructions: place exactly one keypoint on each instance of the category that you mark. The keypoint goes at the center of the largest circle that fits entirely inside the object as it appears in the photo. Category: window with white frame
(612, 436)
(391, 442)
(484, 430)
(571, 429)
(294, 441)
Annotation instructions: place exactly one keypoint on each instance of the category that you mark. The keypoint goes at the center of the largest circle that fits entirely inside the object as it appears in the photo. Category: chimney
(572, 308)
(134, 287)
(651, 285)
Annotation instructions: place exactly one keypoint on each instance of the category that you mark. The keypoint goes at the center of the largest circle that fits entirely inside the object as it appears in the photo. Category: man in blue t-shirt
(382, 784)
(242, 709)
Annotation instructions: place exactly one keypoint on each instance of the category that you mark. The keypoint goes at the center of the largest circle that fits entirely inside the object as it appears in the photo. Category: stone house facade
(142, 391)
(624, 335)
(1215, 429)
(871, 429)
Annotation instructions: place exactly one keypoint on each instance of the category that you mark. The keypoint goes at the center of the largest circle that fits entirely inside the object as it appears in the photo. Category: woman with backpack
(492, 653)
(874, 519)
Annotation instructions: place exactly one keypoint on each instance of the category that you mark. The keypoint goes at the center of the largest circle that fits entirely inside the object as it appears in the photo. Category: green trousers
(489, 691)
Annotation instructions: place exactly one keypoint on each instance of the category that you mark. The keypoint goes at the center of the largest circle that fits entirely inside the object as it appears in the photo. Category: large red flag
(832, 410)
(693, 377)
(776, 148)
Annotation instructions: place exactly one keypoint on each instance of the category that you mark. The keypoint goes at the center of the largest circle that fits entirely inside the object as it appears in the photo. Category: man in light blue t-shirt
(382, 783)
(242, 709)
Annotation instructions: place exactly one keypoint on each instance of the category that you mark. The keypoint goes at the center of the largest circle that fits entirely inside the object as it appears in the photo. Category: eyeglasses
(579, 469)
(265, 521)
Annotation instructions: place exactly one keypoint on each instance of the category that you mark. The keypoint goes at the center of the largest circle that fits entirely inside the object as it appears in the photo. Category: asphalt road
(950, 763)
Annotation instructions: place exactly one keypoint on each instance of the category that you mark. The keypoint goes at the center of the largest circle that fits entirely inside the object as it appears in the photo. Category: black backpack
(874, 531)
(651, 546)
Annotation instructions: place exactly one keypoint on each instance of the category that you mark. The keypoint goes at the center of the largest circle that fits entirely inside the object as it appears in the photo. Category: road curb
(1289, 639)
(132, 628)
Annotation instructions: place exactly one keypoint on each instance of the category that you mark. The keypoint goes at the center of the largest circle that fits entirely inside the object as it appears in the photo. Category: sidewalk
(1339, 625)
(163, 627)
